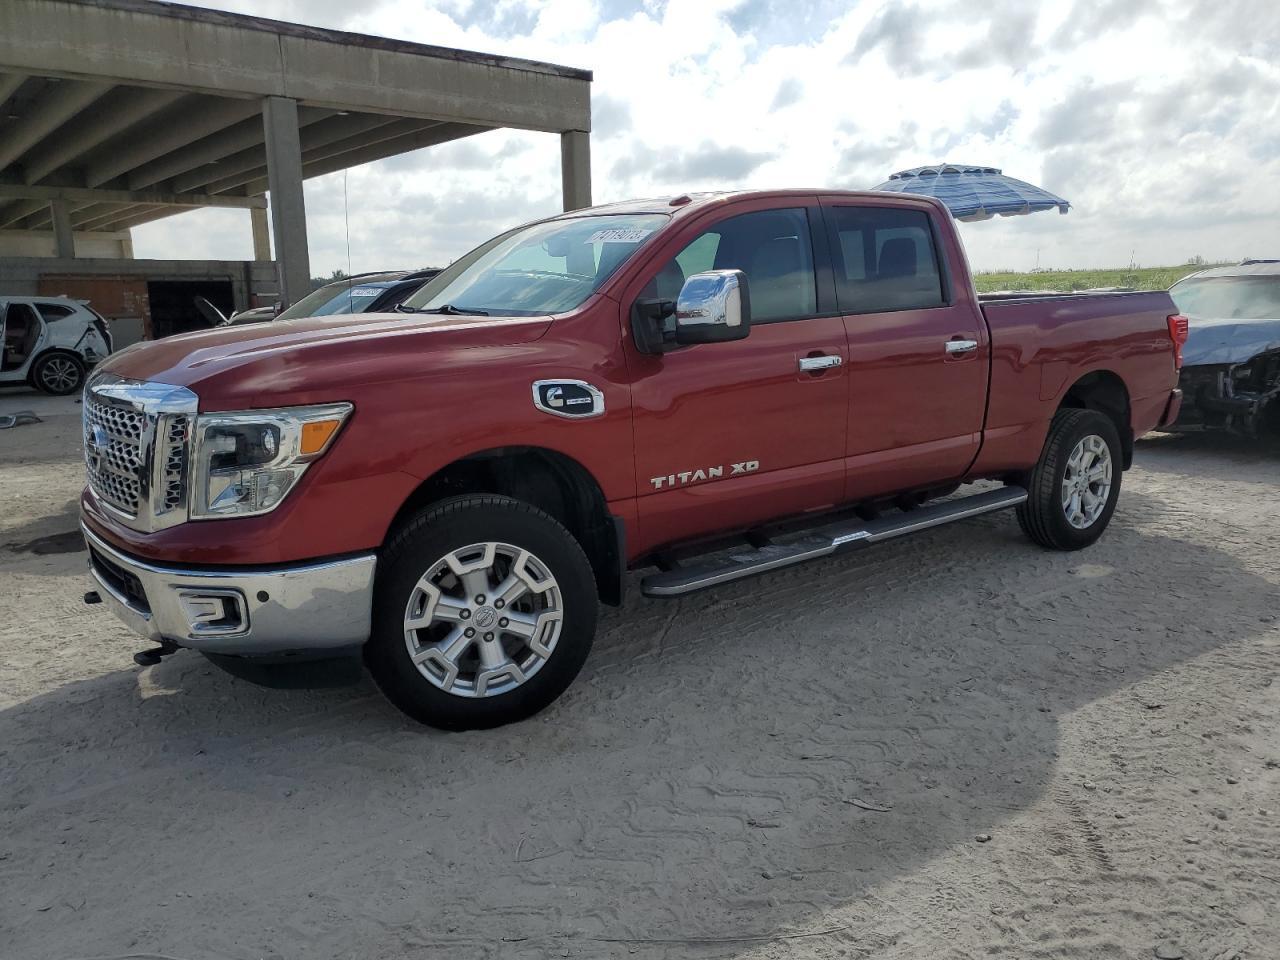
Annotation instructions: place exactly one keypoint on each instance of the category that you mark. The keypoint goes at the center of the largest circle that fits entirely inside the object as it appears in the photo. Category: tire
(1046, 517)
(498, 541)
(58, 374)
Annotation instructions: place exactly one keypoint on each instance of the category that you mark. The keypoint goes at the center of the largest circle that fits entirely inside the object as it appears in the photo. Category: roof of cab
(681, 203)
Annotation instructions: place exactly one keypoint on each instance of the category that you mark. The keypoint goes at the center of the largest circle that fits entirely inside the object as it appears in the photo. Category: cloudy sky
(1159, 121)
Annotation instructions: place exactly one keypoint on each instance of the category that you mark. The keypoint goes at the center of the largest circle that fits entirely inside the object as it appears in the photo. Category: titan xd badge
(572, 399)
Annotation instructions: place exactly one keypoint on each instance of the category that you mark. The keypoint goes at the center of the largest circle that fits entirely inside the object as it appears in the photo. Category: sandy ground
(1065, 755)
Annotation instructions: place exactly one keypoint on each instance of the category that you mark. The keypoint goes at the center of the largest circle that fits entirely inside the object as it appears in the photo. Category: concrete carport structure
(114, 113)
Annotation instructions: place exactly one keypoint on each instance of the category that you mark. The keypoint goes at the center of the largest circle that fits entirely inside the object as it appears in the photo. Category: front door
(918, 351)
(728, 435)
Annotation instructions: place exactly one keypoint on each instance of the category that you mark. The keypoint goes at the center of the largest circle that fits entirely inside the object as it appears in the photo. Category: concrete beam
(199, 120)
(89, 195)
(261, 234)
(391, 131)
(81, 213)
(244, 136)
(55, 108)
(251, 164)
(106, 213)
(288, 210)
(133, 106)
(575, 169)
(9, 84)
(140, 215)
(379, 151)
(235, 55)
(63, 237)
(42, 219)
(16, 212)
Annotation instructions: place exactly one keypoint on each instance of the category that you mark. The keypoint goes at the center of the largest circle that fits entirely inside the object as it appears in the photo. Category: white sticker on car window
(366, 291)
(619, 235)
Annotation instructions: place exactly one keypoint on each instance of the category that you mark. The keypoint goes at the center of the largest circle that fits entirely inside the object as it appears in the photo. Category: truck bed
(1041, 344)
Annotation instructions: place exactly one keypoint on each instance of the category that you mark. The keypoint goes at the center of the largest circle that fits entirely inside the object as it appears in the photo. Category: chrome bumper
(246, 611)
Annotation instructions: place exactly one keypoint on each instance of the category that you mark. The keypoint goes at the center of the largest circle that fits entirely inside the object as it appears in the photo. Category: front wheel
(1073, 489)
(484, 612)
(58, 374)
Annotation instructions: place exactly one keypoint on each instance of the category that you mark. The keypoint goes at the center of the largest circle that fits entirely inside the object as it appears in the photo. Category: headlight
(246, 463)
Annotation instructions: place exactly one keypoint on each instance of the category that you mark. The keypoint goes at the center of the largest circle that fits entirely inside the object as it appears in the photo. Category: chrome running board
(825, 541)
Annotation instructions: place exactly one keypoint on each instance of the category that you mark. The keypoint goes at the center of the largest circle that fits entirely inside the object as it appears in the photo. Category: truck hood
(295, 361)
(1229, 341)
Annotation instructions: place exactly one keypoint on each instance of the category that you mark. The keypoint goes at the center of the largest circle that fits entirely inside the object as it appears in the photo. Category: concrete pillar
(288, 213)
(575, 169)
(261, 238)
(64, 239)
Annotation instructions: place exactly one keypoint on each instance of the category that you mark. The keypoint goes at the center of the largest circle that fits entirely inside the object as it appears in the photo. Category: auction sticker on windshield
(619, 235)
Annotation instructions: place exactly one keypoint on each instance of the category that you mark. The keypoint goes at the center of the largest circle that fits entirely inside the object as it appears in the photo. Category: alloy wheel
(59, 374)
(1086, 483)
(483, 620)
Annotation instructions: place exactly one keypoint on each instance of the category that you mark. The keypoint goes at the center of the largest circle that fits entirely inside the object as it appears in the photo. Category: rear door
(918, 348)
(731, 434)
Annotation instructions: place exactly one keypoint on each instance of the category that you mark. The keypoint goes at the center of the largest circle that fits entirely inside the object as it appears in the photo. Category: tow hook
(149, 658)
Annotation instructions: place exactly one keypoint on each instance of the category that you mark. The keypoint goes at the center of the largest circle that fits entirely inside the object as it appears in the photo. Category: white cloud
(1150, 117)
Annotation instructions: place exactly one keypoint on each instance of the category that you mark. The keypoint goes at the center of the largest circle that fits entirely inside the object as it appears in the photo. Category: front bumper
(241, 611)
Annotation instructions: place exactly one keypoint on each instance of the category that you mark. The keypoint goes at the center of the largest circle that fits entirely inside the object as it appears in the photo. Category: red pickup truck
(714, 386)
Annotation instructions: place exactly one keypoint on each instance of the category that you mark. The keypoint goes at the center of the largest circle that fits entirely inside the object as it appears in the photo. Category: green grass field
(1138, 278)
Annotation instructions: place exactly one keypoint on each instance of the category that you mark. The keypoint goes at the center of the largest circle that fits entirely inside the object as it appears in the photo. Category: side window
(54, 311)
(885, 260)
(772, 247)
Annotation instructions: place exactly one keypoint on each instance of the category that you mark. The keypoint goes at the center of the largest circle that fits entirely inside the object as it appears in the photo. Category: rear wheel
(484, 613)
(1073, 489)
(58, 374)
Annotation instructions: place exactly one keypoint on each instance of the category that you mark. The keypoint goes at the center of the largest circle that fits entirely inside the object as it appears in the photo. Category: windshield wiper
(403, 308)
(450, 310)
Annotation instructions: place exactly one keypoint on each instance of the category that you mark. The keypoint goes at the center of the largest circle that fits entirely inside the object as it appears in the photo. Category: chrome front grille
(173, 472)
(113, 452)
(137, 440)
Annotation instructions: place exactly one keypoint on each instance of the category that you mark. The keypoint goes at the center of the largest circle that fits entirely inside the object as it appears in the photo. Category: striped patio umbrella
(973, 192)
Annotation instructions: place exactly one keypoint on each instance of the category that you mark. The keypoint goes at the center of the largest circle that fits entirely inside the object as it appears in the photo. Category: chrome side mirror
(713, 307)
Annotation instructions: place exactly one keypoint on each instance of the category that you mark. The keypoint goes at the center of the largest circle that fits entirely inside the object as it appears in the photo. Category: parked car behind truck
(1231, 376)
(787, 374)
(364, 293)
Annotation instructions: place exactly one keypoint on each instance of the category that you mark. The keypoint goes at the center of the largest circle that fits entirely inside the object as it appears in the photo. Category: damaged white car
(50, 343)
(1231, 360)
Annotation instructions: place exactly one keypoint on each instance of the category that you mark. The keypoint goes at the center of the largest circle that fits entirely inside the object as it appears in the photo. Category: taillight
(1179, 328)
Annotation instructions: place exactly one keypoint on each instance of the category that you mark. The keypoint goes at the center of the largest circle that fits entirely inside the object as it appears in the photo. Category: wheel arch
(1104, 391)
(546, 478)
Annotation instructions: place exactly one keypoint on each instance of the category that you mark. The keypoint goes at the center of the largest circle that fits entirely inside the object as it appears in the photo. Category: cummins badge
(573, 399)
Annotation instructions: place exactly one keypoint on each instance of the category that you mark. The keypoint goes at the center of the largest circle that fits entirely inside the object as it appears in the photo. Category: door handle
(820, 363)
(961, 346)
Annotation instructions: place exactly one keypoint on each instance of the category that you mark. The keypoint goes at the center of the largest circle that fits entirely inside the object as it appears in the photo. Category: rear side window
(54, 311)
(885, 259)
(772, 247)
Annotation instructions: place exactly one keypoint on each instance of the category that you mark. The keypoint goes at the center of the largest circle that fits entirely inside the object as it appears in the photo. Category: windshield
(537, 270)
(1229, 298)
(335, 298)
